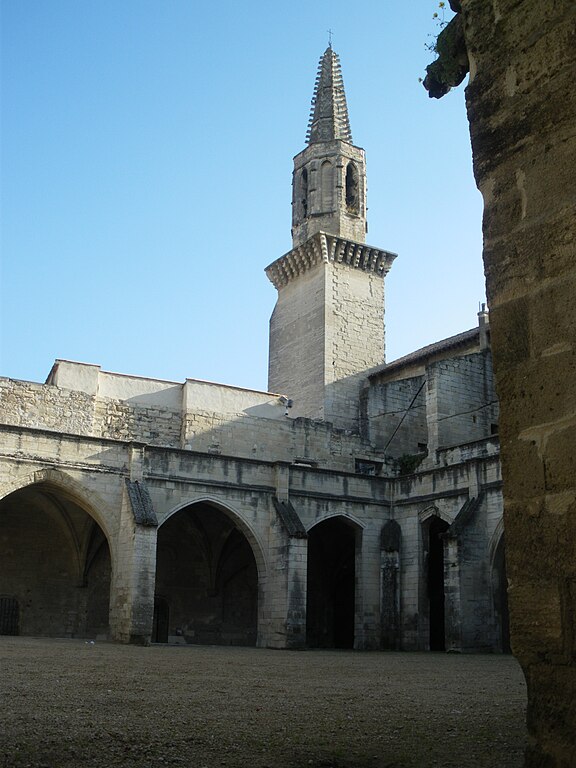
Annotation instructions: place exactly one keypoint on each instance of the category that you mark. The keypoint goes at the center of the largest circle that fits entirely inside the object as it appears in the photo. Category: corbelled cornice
(328, 249)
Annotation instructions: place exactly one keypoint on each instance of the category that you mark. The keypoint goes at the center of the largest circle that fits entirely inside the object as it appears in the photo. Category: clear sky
(147, 153)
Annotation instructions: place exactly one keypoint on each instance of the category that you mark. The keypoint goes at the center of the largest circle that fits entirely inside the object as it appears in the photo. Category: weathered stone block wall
(296, 358)
(327, 328)
(25, 404)
(354, 339)
(396, 416)
(122, 421)
(460, 398)
(197, 416)
(522, 110)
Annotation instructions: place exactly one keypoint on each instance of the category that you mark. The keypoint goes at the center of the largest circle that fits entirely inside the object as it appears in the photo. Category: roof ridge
(437, 346)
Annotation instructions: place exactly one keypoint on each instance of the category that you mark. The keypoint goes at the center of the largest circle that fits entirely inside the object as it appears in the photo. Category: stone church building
(357, 504)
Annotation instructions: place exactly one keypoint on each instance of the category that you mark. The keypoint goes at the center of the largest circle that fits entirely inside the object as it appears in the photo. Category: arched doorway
(206, 579)
(330, 597)
(54, 566)
(433, 529)
(500, 593)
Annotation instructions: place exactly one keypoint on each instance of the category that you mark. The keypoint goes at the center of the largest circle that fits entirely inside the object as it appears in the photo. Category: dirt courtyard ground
(67, 703)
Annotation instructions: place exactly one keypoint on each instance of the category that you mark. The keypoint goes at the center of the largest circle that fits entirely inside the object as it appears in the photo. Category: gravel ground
(68, 703)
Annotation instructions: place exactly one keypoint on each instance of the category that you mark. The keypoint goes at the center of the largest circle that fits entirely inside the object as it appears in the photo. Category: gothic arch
(433, 523)
(352, 188)
(236, 518)
(334, 547)
(210, 575)
(347, 518)
(56, 560)
(303, 196)
(433, 511)
(90, 501)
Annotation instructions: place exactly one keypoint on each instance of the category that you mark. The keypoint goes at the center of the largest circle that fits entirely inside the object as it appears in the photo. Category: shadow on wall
(206, 580)
(54, 566)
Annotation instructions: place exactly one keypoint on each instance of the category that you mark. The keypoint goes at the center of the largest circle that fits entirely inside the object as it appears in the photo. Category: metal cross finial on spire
(329, 38)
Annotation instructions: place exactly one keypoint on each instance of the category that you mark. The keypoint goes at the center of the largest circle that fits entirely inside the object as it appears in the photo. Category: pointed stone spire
(329, 113)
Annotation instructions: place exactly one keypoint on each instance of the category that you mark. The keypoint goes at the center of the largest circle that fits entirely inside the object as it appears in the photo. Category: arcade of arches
(55, 570)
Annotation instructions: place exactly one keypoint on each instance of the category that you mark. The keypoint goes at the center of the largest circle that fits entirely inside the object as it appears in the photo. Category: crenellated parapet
(328, 249)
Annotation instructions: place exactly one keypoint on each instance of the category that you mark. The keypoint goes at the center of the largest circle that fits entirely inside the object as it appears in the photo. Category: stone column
(452, 594)
(133, 579)
(390, 586)
(521, 104)
(367, 601)
(286, 619)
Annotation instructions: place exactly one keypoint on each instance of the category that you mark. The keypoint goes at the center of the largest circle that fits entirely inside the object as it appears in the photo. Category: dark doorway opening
(9, 616)
(436, 528)
(206, 573)
(330, 603)
(161, 620)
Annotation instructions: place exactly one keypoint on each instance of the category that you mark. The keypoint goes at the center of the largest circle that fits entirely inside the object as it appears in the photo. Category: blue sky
(147, 153)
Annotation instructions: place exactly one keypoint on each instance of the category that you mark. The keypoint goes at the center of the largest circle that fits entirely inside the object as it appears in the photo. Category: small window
(304, 463)
(493, 429)
(367, 467)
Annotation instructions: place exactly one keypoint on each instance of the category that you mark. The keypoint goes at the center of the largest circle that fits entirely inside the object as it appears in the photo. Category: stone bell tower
(327, 328)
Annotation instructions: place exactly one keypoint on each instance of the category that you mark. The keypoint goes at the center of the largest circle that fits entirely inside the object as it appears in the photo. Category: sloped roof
(431, 350)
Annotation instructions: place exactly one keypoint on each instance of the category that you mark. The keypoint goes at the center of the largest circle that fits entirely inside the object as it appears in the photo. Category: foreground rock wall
(522, 110)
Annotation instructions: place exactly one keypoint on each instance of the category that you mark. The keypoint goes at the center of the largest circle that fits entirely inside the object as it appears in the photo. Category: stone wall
(522, 110)
(197, 415)
(461, 401)
(48, 407)
(354, 333)
(296, 358)
(396, 415)
(452, 402)
(327, 328)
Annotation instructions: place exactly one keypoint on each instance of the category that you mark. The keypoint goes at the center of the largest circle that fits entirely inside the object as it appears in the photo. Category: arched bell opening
(206, 579)
(331, 584)
(352, 189)
(55, 565)
(304, 194)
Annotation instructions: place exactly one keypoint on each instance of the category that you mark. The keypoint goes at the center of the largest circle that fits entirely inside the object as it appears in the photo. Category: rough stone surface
(522, 111)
